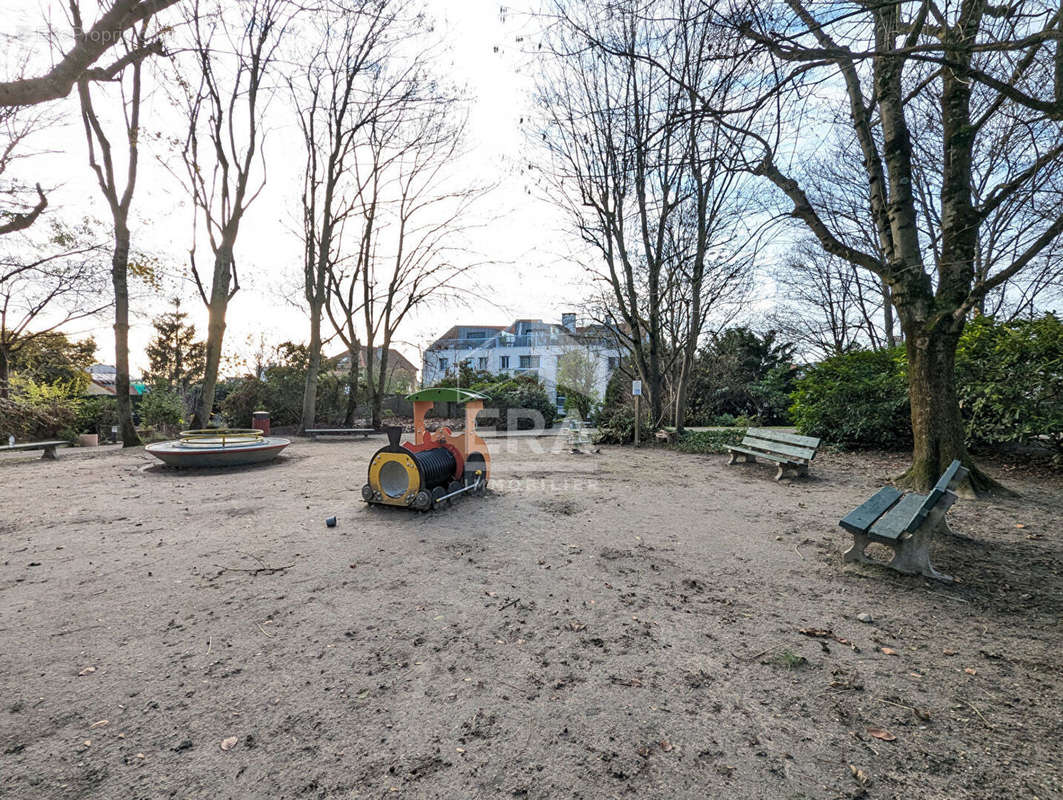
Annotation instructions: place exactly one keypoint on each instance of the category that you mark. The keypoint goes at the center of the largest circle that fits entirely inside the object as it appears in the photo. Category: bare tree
(76, 64)
(971, 63)
(20, 207)
(61, 283)
(336, 98)
(235, 47)
(826, 305)
(119, 199)
(413, 210)
(648, 183)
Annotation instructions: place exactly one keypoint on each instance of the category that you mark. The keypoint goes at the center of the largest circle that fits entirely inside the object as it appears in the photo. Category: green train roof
(446, 394)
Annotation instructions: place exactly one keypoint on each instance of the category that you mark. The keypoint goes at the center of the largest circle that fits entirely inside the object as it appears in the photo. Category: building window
(529, 362)
(481, 362)
(444, 363)
(614, 362)
(503, 362)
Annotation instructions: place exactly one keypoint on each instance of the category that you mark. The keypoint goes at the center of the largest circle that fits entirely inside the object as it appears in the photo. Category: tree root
(978, 485)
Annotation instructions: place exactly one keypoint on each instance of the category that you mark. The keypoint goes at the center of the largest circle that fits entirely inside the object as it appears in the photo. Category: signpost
(636, 392)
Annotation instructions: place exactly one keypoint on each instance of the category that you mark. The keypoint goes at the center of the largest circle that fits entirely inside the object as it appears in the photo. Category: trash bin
(260, 420)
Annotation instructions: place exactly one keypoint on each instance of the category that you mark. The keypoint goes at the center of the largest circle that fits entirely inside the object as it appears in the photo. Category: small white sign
(636, 388)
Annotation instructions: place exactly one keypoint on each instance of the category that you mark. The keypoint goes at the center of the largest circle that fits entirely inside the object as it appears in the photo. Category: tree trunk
(312, 370)
(119, 277)
(937, 425)
(5, 376)
(219, 302)
(887, 314)
(352, 386)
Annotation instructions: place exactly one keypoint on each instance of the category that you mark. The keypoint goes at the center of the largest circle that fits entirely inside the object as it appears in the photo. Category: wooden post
(636, 420)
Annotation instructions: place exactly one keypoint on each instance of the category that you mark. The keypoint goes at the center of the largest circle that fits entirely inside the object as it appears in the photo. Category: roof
(396, 360)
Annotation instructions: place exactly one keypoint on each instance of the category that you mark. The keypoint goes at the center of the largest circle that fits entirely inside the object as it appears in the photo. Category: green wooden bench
(790, 451)
(48, 448)
(906, 523)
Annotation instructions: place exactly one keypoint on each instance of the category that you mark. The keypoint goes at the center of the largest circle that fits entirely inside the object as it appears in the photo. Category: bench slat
(799, 453)
(862, 518)
(761, 454)
(34, 445)
(952, 476)
(782, 436)
(900, 518)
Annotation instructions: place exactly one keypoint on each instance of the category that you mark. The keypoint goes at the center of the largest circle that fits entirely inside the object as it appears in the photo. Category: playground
(616, 624)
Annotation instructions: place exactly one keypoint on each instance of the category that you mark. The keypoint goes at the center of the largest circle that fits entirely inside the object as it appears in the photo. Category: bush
(709, 441)
(859, 399)
(41, 416)
(576, 401)
(1010, 381)
(243, 398)
(505, 392)
(617, 426)
(162, 408)
(520, 392)
(96, 415)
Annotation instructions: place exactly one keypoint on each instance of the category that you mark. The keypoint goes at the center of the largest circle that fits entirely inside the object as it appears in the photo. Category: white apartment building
(526, 346)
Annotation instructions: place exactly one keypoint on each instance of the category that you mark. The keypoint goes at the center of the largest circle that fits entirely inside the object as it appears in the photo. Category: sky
(520, 234)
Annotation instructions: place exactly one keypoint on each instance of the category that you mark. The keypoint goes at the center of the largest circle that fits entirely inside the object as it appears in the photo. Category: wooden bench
(906, 523)
(48, 448)
(313, 433)
(790, 451)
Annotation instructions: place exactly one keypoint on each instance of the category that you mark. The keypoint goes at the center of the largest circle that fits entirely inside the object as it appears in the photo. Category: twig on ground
(761, 653)
(979, 713)
(268, 635)
(264, 570)
(512, 602)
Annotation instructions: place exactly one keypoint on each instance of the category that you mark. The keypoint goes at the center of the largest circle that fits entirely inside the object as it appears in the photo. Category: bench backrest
(788, 444)
(947, 483)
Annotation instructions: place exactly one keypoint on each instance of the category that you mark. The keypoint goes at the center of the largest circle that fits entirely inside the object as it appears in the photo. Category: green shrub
(1010, 381)
(505, 392)
(577, 402)
(242, 399)
(709, 441)
(29, 419)
(96, 415)
(162, 408)
(617, 426)
(859, 399)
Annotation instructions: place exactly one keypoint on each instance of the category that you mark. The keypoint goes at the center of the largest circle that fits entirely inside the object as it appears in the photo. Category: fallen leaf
(228, 743)
(87, 743)
(970, 670)
(666, 745)
(99, 724)
(889, 651)
(817, 632)
(1019, 525)
(87, 671)
(881, 733)
(923, 715)
(948, 652)
(862, 777)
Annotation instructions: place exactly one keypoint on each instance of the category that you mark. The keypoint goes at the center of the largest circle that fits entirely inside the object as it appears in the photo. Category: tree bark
(5, 376)
(313, 368)
(352, 386)
(219, 303)
(119, 278)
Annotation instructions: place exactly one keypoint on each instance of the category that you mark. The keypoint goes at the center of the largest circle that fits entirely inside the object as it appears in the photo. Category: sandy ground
(615, 625)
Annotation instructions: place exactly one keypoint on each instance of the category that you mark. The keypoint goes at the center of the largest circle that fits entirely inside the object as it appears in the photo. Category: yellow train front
(434, 467)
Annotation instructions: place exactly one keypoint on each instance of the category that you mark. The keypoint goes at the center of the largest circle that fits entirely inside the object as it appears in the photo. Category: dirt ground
(625, 624)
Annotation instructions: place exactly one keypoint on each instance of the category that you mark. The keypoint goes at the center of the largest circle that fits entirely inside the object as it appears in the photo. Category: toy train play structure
(435, 467)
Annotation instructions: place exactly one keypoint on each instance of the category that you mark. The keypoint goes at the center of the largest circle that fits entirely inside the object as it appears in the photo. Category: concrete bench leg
(746, 458)
(856, 552)
(791, 471)
(50, 454)
(912, 554)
